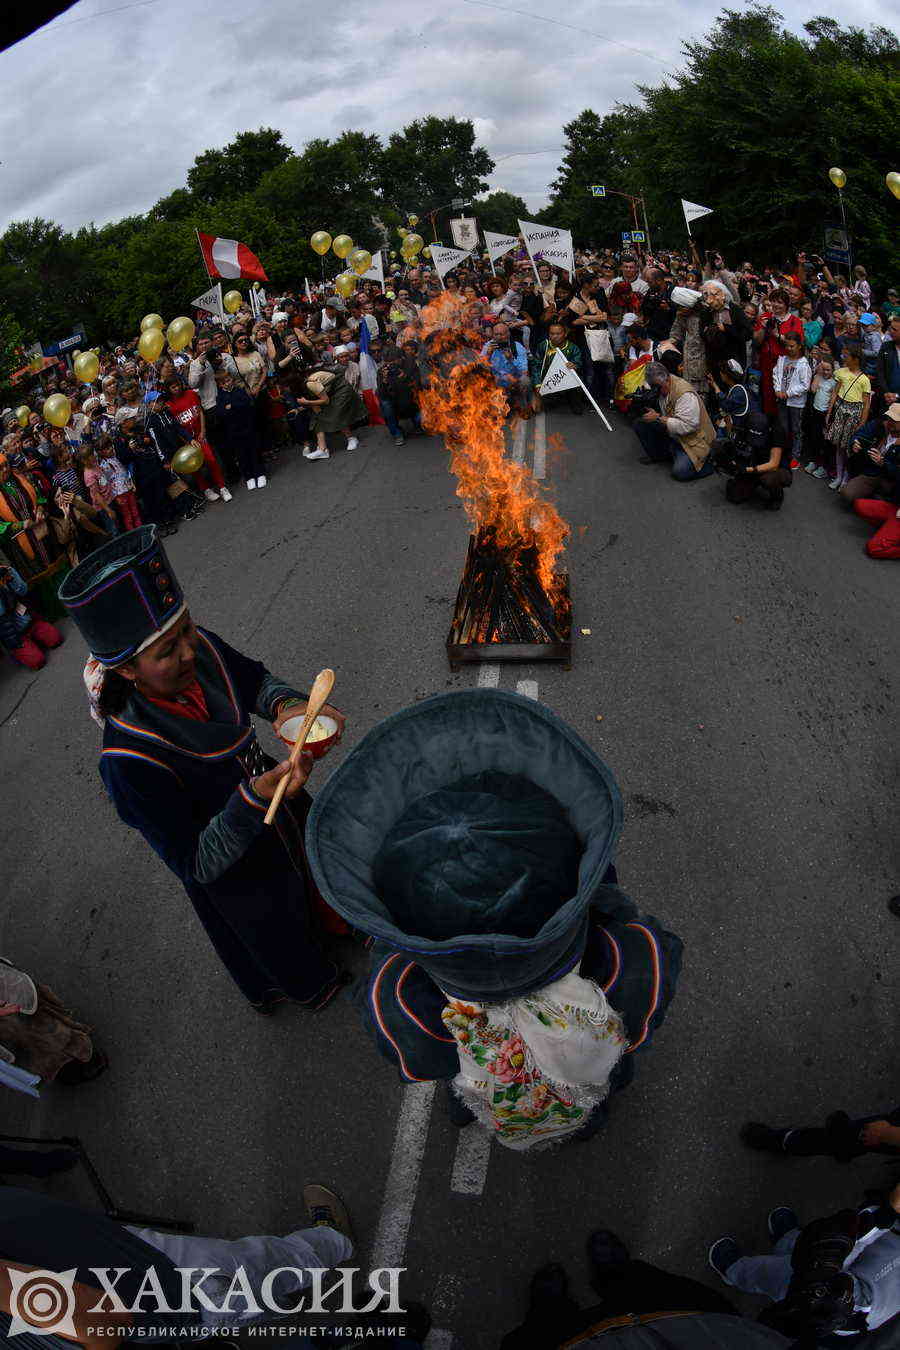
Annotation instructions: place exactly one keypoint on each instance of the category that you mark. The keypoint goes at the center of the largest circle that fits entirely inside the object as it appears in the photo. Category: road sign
(598, 190)
(638, 237)
(837, 245)
(626, 236)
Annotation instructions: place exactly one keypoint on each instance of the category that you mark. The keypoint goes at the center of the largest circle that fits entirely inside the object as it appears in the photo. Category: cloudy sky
(105, 109)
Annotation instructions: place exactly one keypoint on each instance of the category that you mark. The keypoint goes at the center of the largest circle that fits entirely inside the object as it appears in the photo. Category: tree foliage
(750, 127)
(500, 212)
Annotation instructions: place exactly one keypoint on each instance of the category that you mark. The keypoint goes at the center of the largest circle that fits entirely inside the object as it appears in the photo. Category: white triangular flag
(499, 244)
(308, 291)
(550, 244)
(559, 376)
(693, 212)
(376, 271)
(445, 259)
(211, 301)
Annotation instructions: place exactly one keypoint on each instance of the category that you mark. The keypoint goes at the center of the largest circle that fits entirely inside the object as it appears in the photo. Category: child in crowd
(848, 408)
(813, 328)
(99, 488)
(821, 463)
(122, 490)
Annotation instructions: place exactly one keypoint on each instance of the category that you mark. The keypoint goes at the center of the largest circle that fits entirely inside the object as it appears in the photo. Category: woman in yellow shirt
(848, 408)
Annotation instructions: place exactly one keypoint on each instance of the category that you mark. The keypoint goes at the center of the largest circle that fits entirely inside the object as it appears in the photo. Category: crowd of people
(755, 373)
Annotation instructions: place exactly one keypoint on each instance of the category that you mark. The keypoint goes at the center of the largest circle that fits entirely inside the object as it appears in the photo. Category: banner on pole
(376, 271)
(693, 212)
(211, 302)
(445, 259)
(559, 378)
(464, 230)
(547, 243)
(498, 244)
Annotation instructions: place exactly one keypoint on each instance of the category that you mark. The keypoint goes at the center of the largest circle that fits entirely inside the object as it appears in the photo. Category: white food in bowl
(321, 729)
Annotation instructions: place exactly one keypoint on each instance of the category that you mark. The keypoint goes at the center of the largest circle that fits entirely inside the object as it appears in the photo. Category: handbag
(598, 344)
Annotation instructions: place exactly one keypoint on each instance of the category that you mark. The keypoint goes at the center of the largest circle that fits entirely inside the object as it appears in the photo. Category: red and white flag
(229, 258)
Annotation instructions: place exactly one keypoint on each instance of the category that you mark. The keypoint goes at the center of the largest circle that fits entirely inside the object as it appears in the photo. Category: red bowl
(290, 728)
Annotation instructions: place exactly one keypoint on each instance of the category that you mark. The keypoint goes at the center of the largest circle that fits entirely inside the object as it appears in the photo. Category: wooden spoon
(318, 697)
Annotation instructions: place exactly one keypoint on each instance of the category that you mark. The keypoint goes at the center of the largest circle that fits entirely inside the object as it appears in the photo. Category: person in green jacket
(557, 340)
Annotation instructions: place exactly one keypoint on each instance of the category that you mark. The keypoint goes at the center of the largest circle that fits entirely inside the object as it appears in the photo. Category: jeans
(766, 1275)
(391, 420)
(790, 425)
(659, 445)
(602, 380)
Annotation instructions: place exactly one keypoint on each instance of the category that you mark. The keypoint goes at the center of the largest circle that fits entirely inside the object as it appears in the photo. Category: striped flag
(368, 377)
(229, 258)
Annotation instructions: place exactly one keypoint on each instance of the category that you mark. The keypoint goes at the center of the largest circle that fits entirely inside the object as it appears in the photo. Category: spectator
(773, 324)
(185, 407)
(724, 325)
(791, 379)
(343, 357)
(398, 385)
(335, 406)
(687, 332)
(681, 433)
(509, 362)
(848, 409)
(556, 341)
(887, 366)
(124, 496)
(98, 484)
(25, 636)
(236, 415)
(821, 463)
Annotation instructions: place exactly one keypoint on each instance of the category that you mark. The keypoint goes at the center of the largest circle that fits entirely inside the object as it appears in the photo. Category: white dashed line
(540, 445)
(488, 677)
(470, 1167)
(518, 441)
(528, 688)
(403, 1178)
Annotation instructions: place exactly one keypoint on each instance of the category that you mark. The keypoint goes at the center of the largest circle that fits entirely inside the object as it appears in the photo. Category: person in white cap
(686, 331)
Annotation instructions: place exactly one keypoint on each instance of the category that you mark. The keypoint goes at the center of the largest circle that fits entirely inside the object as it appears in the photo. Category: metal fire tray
(461, 653)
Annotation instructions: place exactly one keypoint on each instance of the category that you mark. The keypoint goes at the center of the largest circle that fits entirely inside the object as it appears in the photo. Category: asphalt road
(744, 668)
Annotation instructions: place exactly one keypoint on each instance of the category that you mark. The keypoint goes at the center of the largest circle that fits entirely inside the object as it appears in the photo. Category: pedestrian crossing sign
(637, 236)
(598, 191)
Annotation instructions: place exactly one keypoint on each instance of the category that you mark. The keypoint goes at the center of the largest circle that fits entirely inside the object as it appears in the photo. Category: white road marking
(473, 1154)
(528, 688)
(403, 1178)
(540, 445)
(488, 677)
(518, 440)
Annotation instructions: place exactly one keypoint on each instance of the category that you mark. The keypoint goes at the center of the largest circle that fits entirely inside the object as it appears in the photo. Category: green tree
(218, 175)
(430, 162)
(12, 356)
(500, 212)
(592, 156)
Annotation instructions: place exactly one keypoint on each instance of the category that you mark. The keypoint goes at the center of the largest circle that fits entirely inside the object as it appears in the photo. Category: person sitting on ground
(760, 478)
(681, 433)
(509, 362)
(840, 1274)
(24, 635)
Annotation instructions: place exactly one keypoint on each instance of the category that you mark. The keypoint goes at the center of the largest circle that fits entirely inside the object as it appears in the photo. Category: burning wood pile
(513, 601)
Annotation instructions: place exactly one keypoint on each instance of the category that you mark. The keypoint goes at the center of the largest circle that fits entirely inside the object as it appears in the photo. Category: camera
(644, 399)
(731, 456)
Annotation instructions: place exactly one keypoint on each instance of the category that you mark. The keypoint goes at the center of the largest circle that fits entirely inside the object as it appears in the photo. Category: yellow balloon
(87, 367)
(320, 242)
(360, 260)
(402, 231)
(76, 354)
(838, 177)
(22, 413)
(179, 332)
(189, 459)
(232, 300)
(345, 284)
(342, 245)
(152, 321)
(414, 243)
(426, 251)
(413, 220)
(151, 343)
(893, 182)
(57, 410)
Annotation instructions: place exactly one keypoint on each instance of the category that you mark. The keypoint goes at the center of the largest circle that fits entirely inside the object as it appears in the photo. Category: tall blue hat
(123, 595)
(407, 760)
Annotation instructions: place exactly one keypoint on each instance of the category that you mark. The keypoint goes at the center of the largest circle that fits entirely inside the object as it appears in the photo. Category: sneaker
(326, 1210)
(211, 495)
(352, 443)
(820, 472)
(766, 1138)
(834, 484)
(780, 1221)
(226, 495)
(845, 479)
(399, 440)
(722, 1256)
(316, 454)
(810, 467)
(795, 464)
(262, 480)
(251, 484)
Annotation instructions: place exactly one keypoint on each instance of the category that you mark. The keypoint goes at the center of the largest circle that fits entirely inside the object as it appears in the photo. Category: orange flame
(464, 405)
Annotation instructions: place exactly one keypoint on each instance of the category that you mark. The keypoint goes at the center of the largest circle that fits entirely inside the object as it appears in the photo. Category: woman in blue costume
(182, 765)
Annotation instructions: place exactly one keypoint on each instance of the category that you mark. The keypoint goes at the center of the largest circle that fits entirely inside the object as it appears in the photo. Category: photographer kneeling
(754, 469)
(681, 432)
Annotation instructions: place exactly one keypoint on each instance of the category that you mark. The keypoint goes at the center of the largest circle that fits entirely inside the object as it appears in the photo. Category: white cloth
(533, 1069)
(307, 1249)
